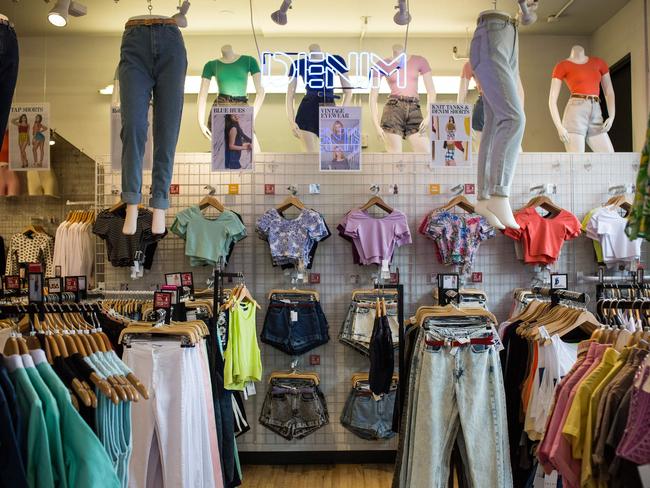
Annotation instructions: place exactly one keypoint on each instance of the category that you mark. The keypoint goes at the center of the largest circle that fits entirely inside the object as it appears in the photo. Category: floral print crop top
(291, 240)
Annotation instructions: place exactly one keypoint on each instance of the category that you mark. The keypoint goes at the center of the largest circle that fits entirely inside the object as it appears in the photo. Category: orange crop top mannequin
(582, 122)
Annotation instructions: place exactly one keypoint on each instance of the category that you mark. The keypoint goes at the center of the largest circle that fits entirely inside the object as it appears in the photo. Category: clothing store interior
(239, 240)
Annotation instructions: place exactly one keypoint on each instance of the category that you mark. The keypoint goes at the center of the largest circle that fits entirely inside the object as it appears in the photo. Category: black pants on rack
(8, 73)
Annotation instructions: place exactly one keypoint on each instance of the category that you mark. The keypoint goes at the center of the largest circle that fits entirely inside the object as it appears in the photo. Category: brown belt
(138, 22)
(593, 98)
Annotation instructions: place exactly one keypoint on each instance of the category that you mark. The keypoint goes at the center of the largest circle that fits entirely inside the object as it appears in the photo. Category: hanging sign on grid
(450, 131)
(232, 138)
(116, 141)
(340, 138)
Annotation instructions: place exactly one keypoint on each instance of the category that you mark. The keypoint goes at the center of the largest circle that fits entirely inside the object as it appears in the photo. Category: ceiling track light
(402, 17)
(280, 16)
(58, 16)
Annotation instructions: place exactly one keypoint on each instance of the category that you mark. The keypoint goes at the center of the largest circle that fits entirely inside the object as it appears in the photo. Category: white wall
(68, 71)
(621, 35)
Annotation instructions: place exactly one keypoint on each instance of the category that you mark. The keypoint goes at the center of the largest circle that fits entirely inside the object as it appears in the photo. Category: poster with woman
(232, 138)
(450, 134)
(29, 136)
(340, 138)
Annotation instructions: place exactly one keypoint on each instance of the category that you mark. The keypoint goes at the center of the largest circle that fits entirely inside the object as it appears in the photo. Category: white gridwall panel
(582, 183)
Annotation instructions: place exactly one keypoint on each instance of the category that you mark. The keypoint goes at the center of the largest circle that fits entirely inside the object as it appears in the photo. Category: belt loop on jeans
(592, 98)
(139, 22)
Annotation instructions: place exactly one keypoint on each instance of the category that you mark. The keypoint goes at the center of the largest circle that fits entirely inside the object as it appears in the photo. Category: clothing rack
(120, 293)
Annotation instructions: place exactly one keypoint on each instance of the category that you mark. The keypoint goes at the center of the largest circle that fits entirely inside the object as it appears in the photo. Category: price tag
(477, 277)
(173, 279)
(35, 281)
(54, 285)
(269, 189)
(314, 360)
(162, 300)
(233, 189)
(174, 189)
(187, 280)
(470, 188)
(434, 189)
(71, 284)
(173, 291)
(12, 282)
(294, 316)
(314, 278)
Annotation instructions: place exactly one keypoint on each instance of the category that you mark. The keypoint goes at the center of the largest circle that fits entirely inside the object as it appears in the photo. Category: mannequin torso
(584, 76)
(415, 67)
(320, 87)
(231, 72)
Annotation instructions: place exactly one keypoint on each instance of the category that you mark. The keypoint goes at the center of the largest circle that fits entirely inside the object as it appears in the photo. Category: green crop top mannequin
(231, 72)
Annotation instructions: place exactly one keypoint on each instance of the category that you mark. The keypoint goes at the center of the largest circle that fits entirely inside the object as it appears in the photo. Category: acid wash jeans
(494, 54)
(459, 394)
(153, 62)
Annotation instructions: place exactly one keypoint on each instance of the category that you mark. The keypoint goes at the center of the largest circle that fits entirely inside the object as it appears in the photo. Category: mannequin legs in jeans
(153, 61)
(494, 58)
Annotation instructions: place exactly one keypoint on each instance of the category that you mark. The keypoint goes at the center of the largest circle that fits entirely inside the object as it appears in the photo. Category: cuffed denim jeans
(494, 57)
(457, 394)
(8, 73)
(153, 63)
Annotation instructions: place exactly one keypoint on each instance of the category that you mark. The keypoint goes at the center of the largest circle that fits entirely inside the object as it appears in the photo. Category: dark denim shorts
(295, 327)
(367, 417)
(294, 408)
(308, 116)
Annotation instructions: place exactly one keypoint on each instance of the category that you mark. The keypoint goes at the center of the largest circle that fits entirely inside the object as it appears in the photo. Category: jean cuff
(131, 198)
(160, 201)
(499, 191)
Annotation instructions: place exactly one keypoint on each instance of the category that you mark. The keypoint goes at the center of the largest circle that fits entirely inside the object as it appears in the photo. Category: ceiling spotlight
(280, 16)
(402, 17)
(179, 17)
(58, 16)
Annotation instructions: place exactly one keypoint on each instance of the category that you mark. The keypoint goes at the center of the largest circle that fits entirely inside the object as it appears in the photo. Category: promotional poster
(29, 136)
(340, 138)
(450, 134)
(232, 138)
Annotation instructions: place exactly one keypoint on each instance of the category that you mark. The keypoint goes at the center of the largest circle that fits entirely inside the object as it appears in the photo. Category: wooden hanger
(544, 202)
(290, 201)
(450, 310)
(459, 201)
(377, 201)
(313, 376)
(211, 201)
(375, 291)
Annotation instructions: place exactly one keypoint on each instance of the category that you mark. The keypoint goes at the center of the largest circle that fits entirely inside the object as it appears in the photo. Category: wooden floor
(319, 476)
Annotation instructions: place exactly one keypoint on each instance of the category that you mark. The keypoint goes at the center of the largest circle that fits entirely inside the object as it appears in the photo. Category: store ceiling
(319, 18)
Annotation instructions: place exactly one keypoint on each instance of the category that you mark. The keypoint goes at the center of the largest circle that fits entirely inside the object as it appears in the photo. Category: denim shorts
(308, 116)
(294, 408)
(369, 417)
(295, 326)
(356, 330)
(402, 116)
(583, 117)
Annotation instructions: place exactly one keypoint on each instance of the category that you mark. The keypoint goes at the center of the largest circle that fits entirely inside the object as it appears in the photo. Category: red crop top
(543, 237)
(582, 79)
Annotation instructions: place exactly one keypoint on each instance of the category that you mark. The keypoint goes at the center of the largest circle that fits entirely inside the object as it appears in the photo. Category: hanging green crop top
(232, 78)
